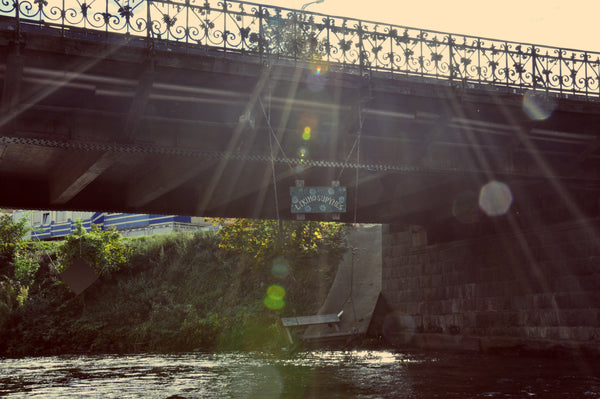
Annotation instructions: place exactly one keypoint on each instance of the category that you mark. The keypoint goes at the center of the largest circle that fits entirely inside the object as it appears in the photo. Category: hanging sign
(318, 199)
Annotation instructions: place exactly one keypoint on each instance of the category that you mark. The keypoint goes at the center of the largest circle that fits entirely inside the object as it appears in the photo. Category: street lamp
(311, 2)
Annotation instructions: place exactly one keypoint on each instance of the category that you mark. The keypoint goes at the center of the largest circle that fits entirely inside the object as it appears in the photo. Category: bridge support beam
(160, 181)
(73, 176)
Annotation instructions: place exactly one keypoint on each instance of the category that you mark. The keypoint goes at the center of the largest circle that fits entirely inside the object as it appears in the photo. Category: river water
(317, 374)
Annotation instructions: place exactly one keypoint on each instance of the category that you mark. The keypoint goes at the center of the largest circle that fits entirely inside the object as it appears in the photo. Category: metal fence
(346, 43)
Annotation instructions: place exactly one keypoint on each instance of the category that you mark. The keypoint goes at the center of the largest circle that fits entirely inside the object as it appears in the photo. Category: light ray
(268, 173)
(61, 81)
(233, 143)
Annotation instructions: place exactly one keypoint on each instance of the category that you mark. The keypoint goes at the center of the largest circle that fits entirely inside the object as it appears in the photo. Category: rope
(348, 157)
(354, 250)
(274, 180)
(361, 121)
(271, 136)
(272, 131)
(360, 126)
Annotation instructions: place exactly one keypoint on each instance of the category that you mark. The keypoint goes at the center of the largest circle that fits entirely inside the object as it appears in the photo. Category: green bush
(105, 250)
(11, 241)
(264, 240)
(8, 299)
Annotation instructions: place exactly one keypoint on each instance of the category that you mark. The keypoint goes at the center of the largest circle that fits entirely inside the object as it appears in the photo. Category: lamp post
(311, 2)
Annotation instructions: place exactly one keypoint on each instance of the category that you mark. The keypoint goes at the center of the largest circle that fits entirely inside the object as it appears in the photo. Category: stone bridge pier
(533, 290)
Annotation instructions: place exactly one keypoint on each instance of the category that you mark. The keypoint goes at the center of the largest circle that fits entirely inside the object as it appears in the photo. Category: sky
(571, 24)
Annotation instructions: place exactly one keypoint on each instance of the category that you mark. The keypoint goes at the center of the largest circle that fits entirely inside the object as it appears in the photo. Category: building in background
(49, 225)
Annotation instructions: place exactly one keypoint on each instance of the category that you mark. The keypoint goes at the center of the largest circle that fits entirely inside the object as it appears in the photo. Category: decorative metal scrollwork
(349, 44)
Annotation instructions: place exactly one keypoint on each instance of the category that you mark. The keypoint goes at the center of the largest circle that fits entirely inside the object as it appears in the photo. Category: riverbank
(177, 293)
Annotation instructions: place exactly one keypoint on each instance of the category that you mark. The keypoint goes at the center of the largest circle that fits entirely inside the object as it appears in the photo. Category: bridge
(218, 108)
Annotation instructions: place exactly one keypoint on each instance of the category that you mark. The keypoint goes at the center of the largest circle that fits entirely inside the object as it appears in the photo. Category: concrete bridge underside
(116, 126)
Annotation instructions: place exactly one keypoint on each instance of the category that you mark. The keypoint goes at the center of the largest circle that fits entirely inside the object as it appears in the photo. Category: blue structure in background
(55, 225)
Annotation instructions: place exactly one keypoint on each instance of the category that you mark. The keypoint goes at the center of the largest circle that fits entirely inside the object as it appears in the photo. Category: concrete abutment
(535, 290)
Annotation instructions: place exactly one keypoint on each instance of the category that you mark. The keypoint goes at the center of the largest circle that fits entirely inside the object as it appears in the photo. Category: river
(316, 374)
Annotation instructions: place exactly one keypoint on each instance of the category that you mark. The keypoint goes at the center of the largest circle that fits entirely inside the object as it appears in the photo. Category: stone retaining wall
(536, 289)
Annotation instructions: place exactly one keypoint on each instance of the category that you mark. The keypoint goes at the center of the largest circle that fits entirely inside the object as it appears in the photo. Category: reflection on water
(318, 374)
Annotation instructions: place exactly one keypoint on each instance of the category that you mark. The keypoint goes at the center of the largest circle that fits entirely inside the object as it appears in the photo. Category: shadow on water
(315, 374)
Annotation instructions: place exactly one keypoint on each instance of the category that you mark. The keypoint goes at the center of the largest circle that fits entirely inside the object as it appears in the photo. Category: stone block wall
(534, 289)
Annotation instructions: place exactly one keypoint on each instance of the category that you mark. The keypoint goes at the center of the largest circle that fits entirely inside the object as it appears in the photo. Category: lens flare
(276, 292)
(273, 304)
(274, 299)
(317, 77)
(302, 153)
(495, 198)
(538, 106)
(280, 268)
(306, 133)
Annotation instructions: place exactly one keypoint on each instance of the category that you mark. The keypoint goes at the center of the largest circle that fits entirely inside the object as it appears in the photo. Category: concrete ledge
(497, 344)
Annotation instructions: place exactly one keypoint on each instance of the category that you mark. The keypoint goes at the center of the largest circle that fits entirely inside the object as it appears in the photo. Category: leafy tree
(25, 263)
(15, 258)
(262, 240)
(8, 300)
(105, 250)
(11, 241)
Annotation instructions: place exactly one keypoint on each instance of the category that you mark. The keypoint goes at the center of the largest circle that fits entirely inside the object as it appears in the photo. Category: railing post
(360, 47)
(106, 21)
(560, 80)
(187, 24)
(598, 73)
(533, 67)
(261, 33)
(62, 20)
(585, 65)
(391, 54)
(295, 35)
(479, 68)
(225, 33)
(451, 62)
(148, 23)
(506, 64)
(328, 26)
(421, 59)
(18, 22)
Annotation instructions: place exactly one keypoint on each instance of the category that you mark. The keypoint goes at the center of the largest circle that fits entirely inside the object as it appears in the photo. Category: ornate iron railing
(345, 43)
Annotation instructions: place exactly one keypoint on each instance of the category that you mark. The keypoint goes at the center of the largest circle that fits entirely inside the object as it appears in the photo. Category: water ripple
(316, 374)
